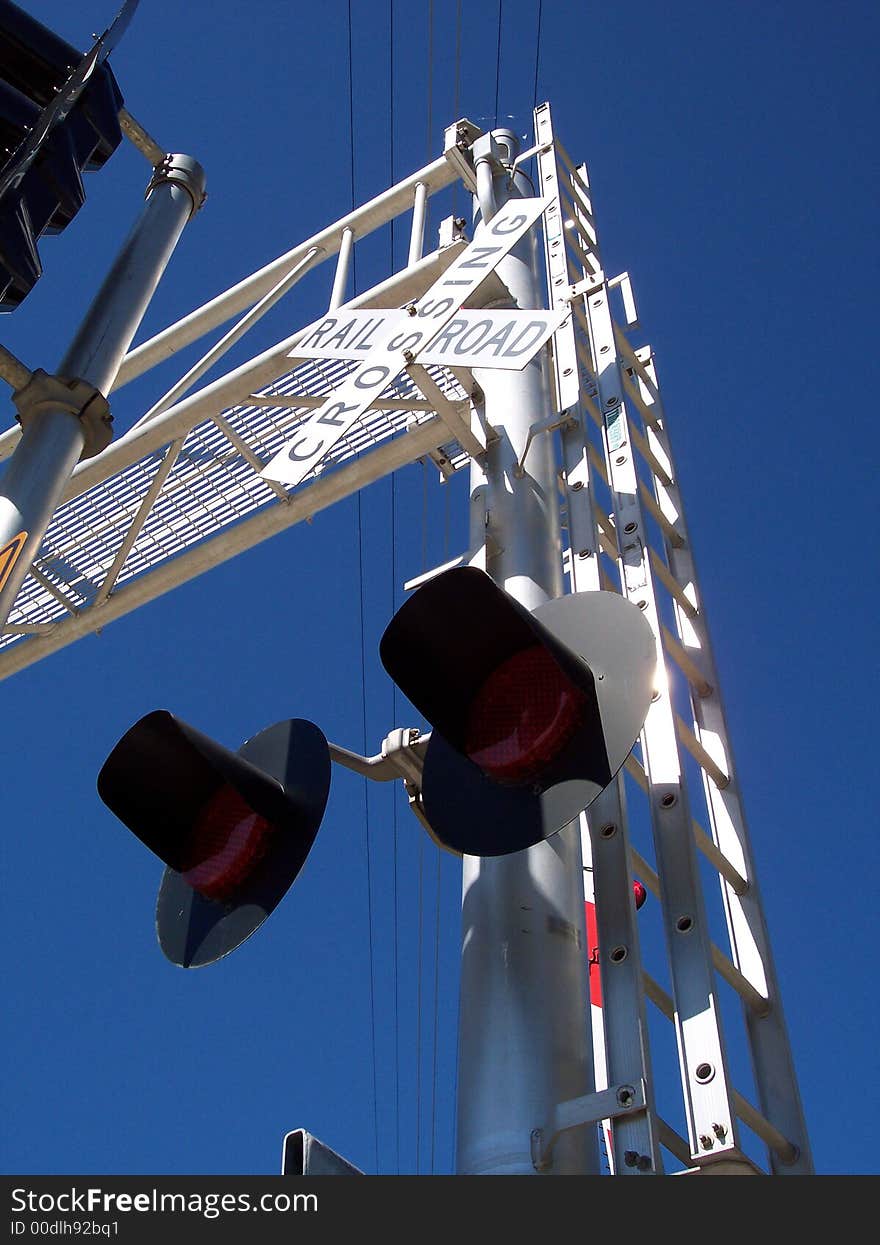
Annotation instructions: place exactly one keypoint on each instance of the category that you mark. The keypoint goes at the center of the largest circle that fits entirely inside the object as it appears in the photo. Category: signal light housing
(233, 828)
(532, 713)
(44, 195)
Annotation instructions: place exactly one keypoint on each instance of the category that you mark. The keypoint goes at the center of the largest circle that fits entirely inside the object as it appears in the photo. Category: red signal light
(639, 893)
(523, 716)
(228, 840)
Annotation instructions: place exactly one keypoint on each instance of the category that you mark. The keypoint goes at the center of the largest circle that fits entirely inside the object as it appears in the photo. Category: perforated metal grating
(210, 486)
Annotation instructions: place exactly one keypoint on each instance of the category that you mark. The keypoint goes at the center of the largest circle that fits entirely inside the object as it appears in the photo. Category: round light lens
(522, 717)
(227, 841)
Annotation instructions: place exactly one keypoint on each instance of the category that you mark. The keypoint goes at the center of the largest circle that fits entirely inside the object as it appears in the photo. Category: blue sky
(731, 153)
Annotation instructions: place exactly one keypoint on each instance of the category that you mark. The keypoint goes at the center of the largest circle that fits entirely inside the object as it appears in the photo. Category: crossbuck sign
(398, 344)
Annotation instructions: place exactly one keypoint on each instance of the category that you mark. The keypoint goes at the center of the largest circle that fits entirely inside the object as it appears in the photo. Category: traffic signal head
(43, 194)
(233, 828)
(532, 713)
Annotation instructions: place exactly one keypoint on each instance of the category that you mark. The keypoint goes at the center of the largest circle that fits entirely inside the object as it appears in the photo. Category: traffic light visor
(532, 713)
(489, 677)
(233, 828)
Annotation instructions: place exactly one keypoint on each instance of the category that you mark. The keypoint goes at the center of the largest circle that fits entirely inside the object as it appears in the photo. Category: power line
(394, 823)
(498, 63)
(363, 654)
(537, 53)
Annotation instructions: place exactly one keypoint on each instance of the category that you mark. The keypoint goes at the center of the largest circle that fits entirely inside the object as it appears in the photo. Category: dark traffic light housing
(43, 192)
(233, 828)
(532, 713)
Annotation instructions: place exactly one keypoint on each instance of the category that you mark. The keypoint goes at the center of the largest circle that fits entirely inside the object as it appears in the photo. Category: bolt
(408, 355)
(411, 309)
(626, 1095)
(706, 1142)
(578, 484)
(720, 1131)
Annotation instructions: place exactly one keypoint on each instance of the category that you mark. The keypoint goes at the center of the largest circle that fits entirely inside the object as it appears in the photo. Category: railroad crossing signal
(233, 828)
(59, 116)
(396, 347)
(532, 713)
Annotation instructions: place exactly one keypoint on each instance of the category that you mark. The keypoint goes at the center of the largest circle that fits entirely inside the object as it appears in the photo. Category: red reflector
(227, 841)
(523, 716)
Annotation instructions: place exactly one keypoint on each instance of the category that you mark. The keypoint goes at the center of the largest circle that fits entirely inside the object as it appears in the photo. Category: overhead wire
(394, 793)
(362, 622)
(429, 125)
(537, 53)
(456, 101)
(498, 63)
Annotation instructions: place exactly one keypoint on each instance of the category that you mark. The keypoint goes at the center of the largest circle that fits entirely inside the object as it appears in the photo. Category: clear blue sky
(732, 153)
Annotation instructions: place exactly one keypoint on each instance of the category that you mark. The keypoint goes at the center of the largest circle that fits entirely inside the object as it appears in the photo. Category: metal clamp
(44, 393)
(185, 172)
(578, 1112)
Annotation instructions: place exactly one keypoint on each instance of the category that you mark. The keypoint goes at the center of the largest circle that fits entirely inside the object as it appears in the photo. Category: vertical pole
(54, 432)
(524, 1042)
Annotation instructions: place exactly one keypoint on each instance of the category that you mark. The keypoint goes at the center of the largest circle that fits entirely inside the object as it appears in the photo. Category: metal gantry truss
(181, 491)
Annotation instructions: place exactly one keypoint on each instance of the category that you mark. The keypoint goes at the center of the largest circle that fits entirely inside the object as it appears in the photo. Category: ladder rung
(634, 361)
(672, 585)
(741, 984)
(674, 537)
(649, 456)
(685, 663)
(702, 839)
(675, 1144)
(587, 262)
(787, 1152)
(646, 873)
(700, 755)
(649, 415)
(658, 996)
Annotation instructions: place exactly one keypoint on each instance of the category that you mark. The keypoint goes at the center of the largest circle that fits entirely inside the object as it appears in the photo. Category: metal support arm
(588, 1109)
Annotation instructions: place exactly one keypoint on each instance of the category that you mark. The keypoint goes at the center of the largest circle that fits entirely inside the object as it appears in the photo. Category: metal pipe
(217, 311)
(417, 233)
(524, 1042)
(54, 433)
(340, 280)
(227, 544)
(12, 370)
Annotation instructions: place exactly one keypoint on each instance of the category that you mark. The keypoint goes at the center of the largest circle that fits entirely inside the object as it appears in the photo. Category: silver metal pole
(65, 417)
(524, 1040)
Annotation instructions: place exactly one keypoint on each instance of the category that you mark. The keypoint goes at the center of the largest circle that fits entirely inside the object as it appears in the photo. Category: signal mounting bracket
(402, 756)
